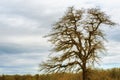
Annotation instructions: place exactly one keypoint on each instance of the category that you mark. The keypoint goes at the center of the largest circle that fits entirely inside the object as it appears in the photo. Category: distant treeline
(97, 74)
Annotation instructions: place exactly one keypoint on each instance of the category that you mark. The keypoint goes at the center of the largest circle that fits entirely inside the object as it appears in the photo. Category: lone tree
(78, 37)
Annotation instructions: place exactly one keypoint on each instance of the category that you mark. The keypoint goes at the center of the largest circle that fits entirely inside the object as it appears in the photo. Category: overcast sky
(23, 23)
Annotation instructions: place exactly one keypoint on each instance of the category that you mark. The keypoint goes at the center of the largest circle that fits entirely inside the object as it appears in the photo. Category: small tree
(78, 38)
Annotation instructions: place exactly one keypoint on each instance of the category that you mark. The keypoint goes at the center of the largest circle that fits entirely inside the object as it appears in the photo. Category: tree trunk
(84, 72)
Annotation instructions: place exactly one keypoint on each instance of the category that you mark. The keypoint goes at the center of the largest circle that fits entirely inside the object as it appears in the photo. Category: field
(96, 74)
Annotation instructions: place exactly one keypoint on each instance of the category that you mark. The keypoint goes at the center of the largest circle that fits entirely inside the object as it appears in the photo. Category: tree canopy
(77, 38)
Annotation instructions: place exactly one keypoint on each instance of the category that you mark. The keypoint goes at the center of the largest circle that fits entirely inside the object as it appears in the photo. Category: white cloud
(113, 48)
(112, 56)
(27, 40)
(111, 59)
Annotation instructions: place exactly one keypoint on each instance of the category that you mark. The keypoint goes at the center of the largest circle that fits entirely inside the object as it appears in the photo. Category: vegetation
(110, 74)
(77, 38)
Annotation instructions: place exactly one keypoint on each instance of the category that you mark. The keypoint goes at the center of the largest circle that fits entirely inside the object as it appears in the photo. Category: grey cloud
(18, 70)
(11, 48)
(30, 10)
(112, 33)
(44, 20)
(38, 17)
(21, 60)
(22, 63)
(115, 36)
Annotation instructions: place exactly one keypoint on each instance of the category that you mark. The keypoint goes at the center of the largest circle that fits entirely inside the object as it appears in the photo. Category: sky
(23, 23)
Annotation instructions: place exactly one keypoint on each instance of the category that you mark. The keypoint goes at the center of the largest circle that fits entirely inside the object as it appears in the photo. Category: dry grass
(97, 74)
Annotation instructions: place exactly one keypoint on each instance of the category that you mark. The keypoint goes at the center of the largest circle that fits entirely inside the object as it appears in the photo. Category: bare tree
(78, 37)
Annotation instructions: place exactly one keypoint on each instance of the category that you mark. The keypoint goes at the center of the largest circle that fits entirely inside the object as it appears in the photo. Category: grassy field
(97, 74)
